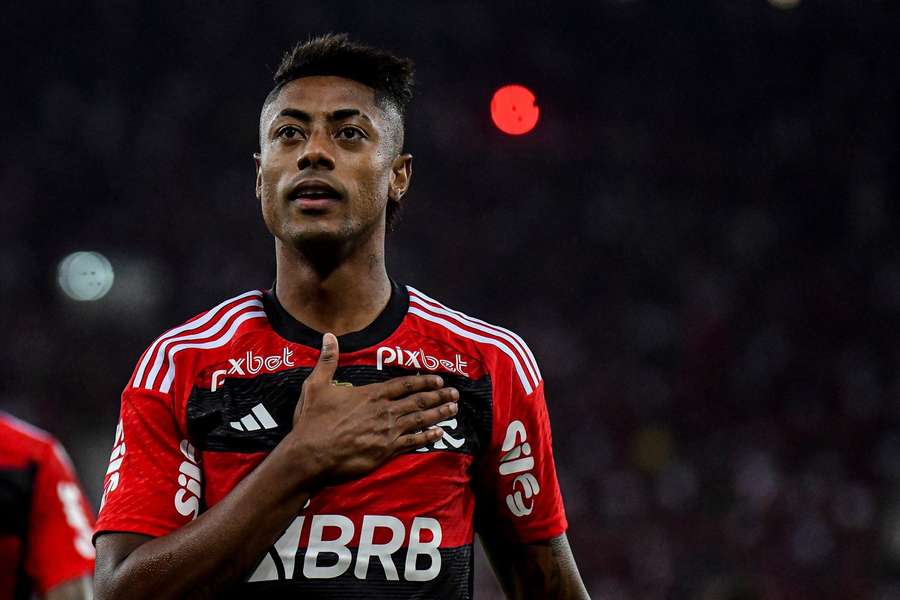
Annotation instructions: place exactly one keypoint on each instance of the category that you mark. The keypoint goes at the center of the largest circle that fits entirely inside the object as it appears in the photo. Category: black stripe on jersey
(453, 582)
(16, 488)
(16, 493)
(210, 414)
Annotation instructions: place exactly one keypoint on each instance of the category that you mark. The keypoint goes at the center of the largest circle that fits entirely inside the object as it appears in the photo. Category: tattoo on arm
(544, 569)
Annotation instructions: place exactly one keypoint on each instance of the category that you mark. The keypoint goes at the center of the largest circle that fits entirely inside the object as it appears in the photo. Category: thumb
(325, 367)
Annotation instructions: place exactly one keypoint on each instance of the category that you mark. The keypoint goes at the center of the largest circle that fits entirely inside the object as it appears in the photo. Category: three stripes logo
(257, 418)
(479, 331)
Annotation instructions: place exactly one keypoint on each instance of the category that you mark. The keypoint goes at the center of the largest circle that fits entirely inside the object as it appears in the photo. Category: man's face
(328, 162)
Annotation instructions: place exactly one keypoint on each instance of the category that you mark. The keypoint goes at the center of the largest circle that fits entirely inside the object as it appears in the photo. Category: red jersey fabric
(45, 521)
(209, 399)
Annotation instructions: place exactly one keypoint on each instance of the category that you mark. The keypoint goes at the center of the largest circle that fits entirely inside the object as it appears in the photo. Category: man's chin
(316, 236)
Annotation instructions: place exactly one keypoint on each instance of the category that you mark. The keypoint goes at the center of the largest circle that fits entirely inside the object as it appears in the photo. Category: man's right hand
(352, 430)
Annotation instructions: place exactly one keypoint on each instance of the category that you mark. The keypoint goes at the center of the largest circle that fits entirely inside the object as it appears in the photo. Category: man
(45, 522)
(249, 463)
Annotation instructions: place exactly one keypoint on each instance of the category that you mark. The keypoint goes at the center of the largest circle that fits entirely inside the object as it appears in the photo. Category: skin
(331, 276)
(330, 263)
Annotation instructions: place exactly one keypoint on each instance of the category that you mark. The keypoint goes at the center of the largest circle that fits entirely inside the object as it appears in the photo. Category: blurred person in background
(223, 481)
(45, 521)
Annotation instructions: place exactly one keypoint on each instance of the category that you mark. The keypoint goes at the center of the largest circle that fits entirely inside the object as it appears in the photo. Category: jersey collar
(378, 330)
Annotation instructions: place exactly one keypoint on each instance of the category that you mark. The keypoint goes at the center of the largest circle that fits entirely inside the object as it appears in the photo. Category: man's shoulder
(23, 439)
(207, 331)
(499, 348)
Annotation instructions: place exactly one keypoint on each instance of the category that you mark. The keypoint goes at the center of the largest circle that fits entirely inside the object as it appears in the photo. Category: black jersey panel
(214, 418)
(16, 488)
(452, 582)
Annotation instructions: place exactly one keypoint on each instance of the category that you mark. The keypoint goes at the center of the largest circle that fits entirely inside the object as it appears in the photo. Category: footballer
(258, 457)
(45, 521)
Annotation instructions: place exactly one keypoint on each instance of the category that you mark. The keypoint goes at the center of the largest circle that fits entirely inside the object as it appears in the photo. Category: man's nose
(315, 154)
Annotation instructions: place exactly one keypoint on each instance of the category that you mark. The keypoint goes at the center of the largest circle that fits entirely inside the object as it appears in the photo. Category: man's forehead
(323, 94)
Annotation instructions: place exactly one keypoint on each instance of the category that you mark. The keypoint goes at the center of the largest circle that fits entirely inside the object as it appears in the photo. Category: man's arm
(217, 548)
(74, 589)
(544, 570)
(339, 433)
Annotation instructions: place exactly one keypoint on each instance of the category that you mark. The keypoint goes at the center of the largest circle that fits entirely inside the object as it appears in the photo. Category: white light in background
(85, 276)
(784, 4)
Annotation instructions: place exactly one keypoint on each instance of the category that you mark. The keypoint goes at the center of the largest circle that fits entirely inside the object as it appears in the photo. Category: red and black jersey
(211, 398)
(45, 521)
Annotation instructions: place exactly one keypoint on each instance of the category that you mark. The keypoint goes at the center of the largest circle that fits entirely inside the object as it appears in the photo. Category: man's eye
(288, 133)
(350, 133)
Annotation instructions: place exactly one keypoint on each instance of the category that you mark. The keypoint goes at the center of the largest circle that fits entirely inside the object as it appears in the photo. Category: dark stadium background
(698, 241)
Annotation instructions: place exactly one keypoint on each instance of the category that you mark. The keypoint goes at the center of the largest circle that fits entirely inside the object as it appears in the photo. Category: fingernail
(454, 407)
(438, 381)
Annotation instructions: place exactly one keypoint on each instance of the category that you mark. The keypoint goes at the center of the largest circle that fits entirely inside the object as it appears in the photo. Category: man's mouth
(314, 194)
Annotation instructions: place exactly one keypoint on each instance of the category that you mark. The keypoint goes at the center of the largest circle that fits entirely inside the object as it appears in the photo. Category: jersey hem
(132, 526)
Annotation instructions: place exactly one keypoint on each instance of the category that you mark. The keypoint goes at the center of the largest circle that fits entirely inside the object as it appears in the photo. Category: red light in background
(513, 110)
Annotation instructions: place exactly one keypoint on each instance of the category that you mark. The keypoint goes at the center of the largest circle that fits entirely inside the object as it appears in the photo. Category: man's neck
(346, 298)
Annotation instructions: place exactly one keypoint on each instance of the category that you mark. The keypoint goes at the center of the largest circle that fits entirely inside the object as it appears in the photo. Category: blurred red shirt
(45, 521)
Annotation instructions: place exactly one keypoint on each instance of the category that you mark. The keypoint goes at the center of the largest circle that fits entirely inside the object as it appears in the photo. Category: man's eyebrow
(338, 115)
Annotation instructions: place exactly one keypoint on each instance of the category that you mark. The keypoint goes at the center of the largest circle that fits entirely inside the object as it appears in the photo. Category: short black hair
(335, 54)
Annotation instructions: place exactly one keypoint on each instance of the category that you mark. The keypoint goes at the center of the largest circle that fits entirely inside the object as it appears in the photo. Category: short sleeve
(59, 538)
(153, 482)
(518, 475)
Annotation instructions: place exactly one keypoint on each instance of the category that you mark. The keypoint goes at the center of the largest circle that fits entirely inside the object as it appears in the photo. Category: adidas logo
(259, 418)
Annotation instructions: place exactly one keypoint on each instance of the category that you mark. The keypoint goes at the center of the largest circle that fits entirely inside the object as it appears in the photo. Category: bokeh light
(513, 110)
(85, 275)
(785, 4)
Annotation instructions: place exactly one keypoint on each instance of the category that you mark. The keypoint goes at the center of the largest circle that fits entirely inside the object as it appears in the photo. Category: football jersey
(45, 521)
(209, 399)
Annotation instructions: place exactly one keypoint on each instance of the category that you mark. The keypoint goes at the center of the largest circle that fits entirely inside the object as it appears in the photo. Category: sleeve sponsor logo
(417, 359)
(115, 462)
(70, 497)
(187, 498)
(328, 554)
(252, 364)
(519, 462)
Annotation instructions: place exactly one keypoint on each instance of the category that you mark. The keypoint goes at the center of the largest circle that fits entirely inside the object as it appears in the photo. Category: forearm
(540, 570)
(221, 545)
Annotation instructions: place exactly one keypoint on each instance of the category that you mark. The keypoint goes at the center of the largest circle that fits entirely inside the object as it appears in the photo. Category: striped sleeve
(156, 369)
(518, 476)
(153, 483)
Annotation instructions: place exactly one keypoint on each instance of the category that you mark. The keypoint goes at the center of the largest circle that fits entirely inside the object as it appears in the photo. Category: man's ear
(401, 174)
(256, 159)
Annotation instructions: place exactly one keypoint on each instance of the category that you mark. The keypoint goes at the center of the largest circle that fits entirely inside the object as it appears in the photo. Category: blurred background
(697, 240)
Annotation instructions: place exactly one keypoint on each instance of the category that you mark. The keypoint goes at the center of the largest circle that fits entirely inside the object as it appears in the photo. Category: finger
(404, 386)
(419, 439)
(424, 400)
(325, 367)
(422, 419)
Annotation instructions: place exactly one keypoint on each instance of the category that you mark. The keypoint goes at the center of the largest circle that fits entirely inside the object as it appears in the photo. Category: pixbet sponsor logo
(252, 364)
(519, 462)
(418, 359)
(187, 498)
(329, 555)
